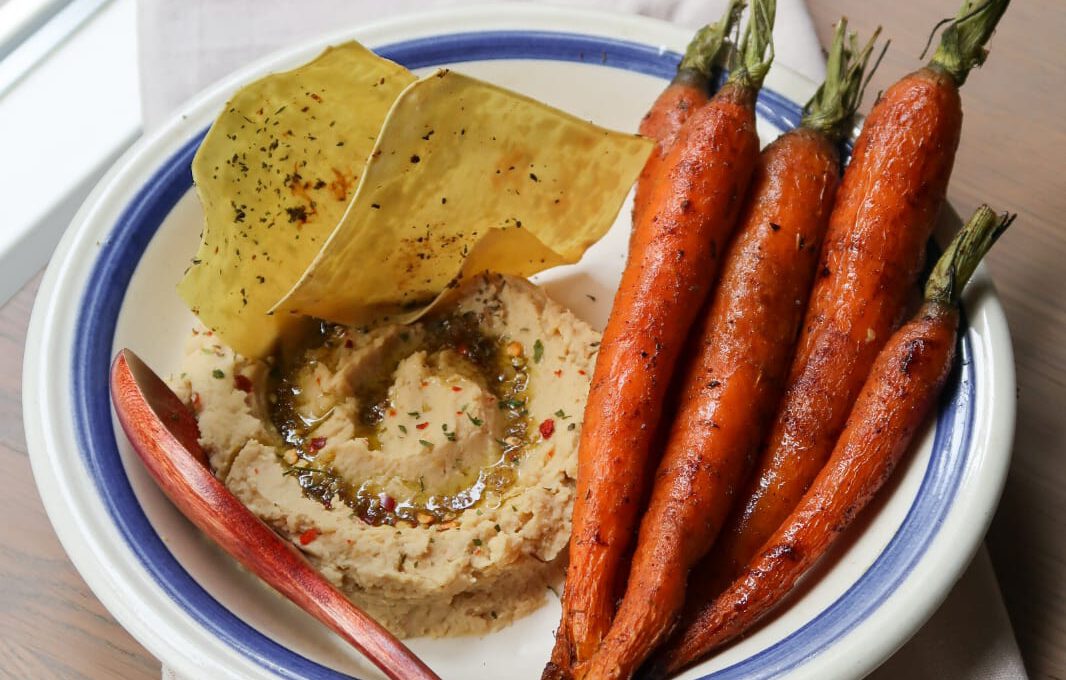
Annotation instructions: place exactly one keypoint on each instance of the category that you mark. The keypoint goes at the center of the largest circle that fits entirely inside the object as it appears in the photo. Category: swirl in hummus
(426, 469)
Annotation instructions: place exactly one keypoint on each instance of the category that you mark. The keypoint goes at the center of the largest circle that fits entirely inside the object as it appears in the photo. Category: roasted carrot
(732, 383)
(689, 90)
(895, 400)
(673, 259)
(884, 215)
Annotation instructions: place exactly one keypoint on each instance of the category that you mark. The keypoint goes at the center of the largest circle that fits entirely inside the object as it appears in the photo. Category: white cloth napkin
(187, 44)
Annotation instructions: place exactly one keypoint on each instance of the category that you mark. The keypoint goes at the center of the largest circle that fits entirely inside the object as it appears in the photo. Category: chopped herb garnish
(561, 414)
(297, 213)
(538, 351)
(300, 470)
(571, 427)
(508, 377)
(476, 542)
(218, 373)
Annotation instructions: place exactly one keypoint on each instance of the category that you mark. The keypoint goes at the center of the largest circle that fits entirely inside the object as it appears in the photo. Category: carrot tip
(704, 54)
(833, 106)
(962, 45)
(960, 258)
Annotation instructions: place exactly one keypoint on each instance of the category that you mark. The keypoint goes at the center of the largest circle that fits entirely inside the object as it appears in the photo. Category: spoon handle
(164, 434)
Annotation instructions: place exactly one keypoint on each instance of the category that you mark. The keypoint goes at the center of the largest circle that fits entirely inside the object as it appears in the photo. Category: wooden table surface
(1013, 155)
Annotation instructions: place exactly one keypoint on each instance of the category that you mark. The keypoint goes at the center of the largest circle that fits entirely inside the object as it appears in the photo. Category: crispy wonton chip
(274, 175)
(465, 168)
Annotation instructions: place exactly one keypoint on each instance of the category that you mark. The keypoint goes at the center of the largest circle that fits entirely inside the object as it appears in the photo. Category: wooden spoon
(165, 435)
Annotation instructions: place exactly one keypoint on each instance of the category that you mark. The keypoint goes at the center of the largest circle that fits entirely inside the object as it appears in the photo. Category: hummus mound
(427, 470)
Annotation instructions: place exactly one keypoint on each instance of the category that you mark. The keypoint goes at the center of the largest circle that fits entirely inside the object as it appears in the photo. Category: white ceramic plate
(111, 284)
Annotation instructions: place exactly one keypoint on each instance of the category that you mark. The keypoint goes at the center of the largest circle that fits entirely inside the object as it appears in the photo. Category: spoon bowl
(165, 436)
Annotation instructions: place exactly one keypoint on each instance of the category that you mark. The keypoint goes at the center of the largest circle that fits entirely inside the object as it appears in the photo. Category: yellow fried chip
(274, 175)
(465, 168)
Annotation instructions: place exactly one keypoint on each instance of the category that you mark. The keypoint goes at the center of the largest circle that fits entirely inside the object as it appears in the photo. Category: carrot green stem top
(756, 50)
(959, 261)
(962, 45)
(833, 106)
(704, 54)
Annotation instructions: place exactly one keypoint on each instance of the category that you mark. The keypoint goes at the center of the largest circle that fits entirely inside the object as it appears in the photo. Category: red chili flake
(558, 373)
(309, 536)
(388, 503)
(392, 413)
(551, 453)
(423, 383)
(458, 413)
(422, 426)
(317, 443)
(242, 383)
(209, 333)
(547, 428)
(456, 388)
(348, 344)
(463, 349)
(196, 403)
(581, 371)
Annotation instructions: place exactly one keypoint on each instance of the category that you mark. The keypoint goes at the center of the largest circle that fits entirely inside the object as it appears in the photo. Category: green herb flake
(571, 427)
(561, 414)
(476, 421)
(403, 428)
(477, 542)
(538, 351)
(218, 373)
(423, 442)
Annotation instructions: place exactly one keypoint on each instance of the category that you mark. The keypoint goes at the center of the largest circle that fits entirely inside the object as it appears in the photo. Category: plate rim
(147, 153)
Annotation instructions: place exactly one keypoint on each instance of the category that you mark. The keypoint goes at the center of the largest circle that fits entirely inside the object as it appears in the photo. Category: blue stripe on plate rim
(121, 252)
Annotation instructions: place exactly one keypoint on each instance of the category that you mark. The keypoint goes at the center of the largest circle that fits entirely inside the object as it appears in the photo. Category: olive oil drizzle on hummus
(499, 364)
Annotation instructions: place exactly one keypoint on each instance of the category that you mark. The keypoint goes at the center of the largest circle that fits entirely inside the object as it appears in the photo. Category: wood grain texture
(1011, 155)
(51, 625)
